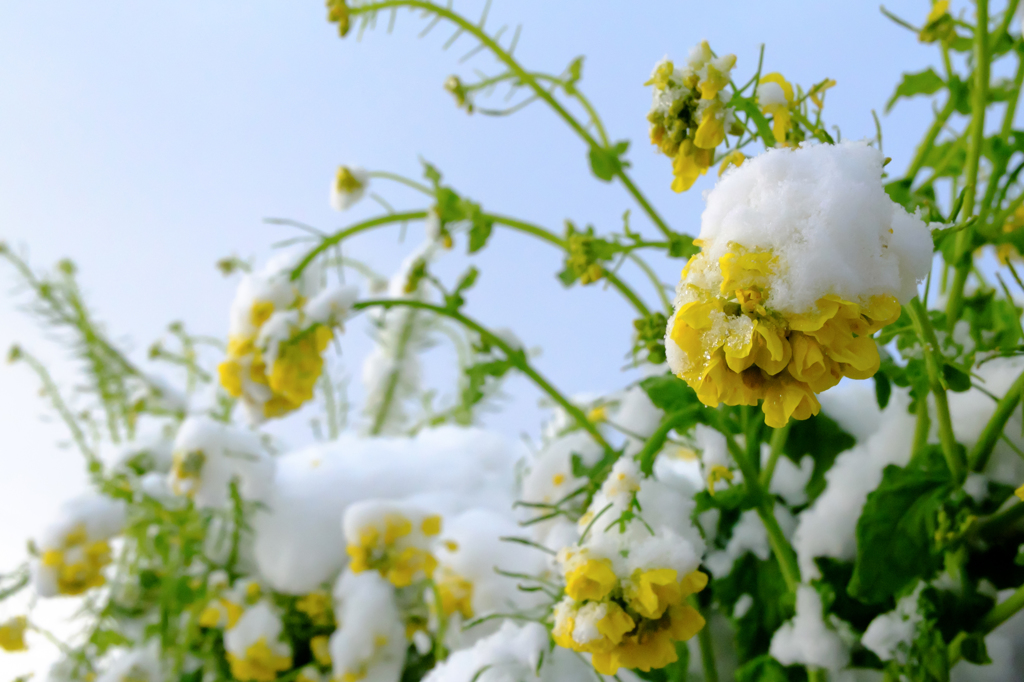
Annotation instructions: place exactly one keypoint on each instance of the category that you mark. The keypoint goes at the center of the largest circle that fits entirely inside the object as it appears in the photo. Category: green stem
(404, 336)
(338, 237)
(922, 427)
(780, 545)
(657, 439)
(994, 525)
(514, 355)
(651, 275)
(526, 78)
(518, 225)
(1002, 612)
(778, 442)
(929, 139)
(1004, 133)
(982, 450)
(816, 675)
(930, 345)
(402, 180)
(979, 101)
(765, 506)
(707, 649)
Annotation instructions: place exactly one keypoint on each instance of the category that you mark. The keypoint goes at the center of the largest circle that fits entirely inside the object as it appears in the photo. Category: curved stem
(930, 345)
(404, 337)
(781, 547)
(651, 275)
(982, 450)
(929, 139)
(338, 237)
(515, 356)
(979, 101)
(527, 79)
(1002, 612)
(402, 180)
(778, 442)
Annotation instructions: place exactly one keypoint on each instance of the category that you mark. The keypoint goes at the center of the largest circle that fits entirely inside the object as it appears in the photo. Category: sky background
(148, 140)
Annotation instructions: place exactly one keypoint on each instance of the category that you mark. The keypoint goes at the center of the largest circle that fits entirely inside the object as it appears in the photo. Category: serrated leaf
(925, 82)
(895, 532)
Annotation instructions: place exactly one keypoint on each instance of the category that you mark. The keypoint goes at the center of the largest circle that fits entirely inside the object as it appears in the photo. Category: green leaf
(899, 191)
(883, 389)
(970, 647)
(955, 378)
(104, 639)
(764, 668)
(605, 162)
(479, 233)
(669, 393)
(567, 277)
(764, 129)
(895, 532)
(925, 82)
(681, 246)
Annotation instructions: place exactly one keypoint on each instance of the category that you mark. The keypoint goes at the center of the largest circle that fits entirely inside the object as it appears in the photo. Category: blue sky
(148, 140)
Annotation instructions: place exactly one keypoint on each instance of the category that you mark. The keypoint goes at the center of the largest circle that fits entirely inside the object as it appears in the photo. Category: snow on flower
(278, 332)
(75, 548)
(255, 649)
(689, 116)
(627, 580)
(803, 257)
(209, 455)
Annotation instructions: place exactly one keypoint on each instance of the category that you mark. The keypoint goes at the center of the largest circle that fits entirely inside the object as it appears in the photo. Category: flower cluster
(391, 538)
(689, 115)
(74, 550)
(793, 278)
(628, 579)
(280, 328)
(255, 649)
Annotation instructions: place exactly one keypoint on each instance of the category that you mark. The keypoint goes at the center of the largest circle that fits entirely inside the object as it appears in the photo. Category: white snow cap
(100, 516)
(208, 455)
(141, 664)
(891, 634)
(806, 639)
(260, 622)
(370, 640)
(829, 526)
(299, 541)
(822, 211)
(512, 654)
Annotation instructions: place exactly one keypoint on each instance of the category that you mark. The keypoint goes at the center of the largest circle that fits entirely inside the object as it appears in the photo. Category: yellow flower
(939, 25)
(1019, 492)
(718, 473)
(79, 563)
(316, 605)
(260, 663)
(387, 553)
(299, 364)
(739, 352)
(456, 594)
(779, 110)
(338, 12)
(590, 579)
(321, 649)
(690, 163)
(818, 93)
(12, 634)
(711, 131)
(733, 158)
(651, 592)
(716, 78)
